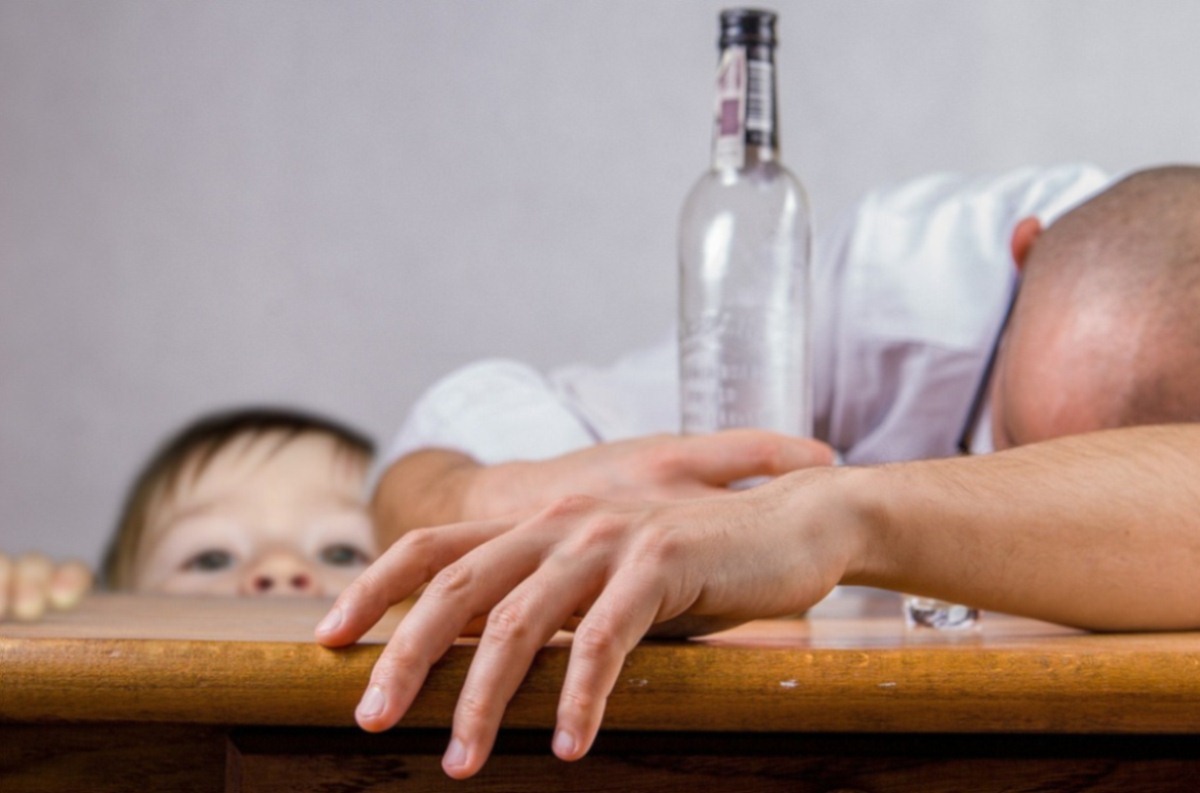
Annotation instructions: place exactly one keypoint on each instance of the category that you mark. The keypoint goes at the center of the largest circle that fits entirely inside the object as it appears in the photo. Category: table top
(849, 666)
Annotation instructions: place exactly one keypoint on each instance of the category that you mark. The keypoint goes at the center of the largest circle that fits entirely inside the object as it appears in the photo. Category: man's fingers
(410, 562)
(459, 593)
(724, 457)
(517, 628)
(613, 626)
(31, 585)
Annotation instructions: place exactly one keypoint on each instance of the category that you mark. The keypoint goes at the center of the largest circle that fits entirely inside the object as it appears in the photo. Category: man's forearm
(433, 487)
(1100, 531)
(425, 488)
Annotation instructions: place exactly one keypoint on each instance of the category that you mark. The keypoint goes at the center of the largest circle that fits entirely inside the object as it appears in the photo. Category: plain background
(330, 204)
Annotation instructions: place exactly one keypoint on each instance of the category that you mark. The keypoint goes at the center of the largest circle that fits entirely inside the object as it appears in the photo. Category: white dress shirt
(910, 290)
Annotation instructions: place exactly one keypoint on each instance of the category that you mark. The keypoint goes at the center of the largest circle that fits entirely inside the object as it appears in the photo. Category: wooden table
(132, 693)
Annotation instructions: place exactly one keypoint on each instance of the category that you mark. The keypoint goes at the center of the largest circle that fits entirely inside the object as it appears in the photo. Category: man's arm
(425, 488)
(1100, 531)
(433, 487)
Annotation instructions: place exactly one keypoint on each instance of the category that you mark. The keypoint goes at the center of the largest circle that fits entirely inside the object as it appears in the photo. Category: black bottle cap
(747, 26)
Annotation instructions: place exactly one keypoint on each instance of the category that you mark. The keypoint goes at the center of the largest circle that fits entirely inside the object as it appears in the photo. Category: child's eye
(343, 555)
(209, 561)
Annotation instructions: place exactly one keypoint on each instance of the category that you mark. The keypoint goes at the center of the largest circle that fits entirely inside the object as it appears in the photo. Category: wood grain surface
(851, 666)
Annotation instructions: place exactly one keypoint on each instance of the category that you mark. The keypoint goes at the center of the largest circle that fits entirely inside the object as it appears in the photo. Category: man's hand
(623, 567)
(1099, 531)
(435, 486)
(31, 583)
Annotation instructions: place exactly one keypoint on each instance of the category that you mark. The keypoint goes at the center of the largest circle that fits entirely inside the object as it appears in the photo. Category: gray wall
(332, 203)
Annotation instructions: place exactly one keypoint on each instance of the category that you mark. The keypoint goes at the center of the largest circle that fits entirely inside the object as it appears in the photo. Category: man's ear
(1023, 236)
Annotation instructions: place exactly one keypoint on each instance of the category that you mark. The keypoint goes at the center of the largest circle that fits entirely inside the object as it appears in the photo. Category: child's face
(268, 515)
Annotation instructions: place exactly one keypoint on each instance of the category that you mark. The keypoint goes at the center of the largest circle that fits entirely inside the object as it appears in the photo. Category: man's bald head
(1106, 330)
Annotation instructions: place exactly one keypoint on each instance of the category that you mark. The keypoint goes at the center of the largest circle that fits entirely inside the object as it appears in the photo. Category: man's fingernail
(456, 754)
(372, 702)
(564, 744)
(331, 622)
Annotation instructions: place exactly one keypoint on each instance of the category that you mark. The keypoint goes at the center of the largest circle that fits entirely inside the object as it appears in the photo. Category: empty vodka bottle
(744, 251)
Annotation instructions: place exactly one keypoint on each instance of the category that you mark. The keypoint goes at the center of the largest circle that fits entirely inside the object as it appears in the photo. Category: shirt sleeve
(498, 410)
(493, 410)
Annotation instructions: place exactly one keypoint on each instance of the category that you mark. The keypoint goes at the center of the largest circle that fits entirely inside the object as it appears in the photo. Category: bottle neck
(746, 127)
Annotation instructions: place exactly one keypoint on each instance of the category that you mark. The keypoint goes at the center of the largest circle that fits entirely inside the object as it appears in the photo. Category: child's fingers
(68, 584)
(31, 583)
(6, 566)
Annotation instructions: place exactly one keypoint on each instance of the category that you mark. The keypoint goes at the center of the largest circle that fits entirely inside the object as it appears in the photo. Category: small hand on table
(31, 583)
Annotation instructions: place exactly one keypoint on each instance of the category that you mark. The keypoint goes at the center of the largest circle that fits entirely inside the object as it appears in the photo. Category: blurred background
(330, 204)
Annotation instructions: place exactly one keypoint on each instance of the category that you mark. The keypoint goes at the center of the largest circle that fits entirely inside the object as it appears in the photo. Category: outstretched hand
(32, 583)
(622, 568)
(650, 468)
(439, 486)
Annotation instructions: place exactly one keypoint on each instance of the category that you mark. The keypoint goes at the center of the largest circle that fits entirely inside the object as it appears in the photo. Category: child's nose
(280, 574)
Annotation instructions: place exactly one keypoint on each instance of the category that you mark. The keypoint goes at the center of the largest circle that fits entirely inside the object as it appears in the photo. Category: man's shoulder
(1046, 192)
(923, 276)
(928, 250)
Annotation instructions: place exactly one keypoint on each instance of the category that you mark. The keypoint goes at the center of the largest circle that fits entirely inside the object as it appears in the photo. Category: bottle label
(760, 112)
(729, 146)
(745, 108)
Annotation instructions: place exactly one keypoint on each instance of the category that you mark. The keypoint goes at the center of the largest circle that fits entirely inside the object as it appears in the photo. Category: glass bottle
(942, 615)
(744, 249)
